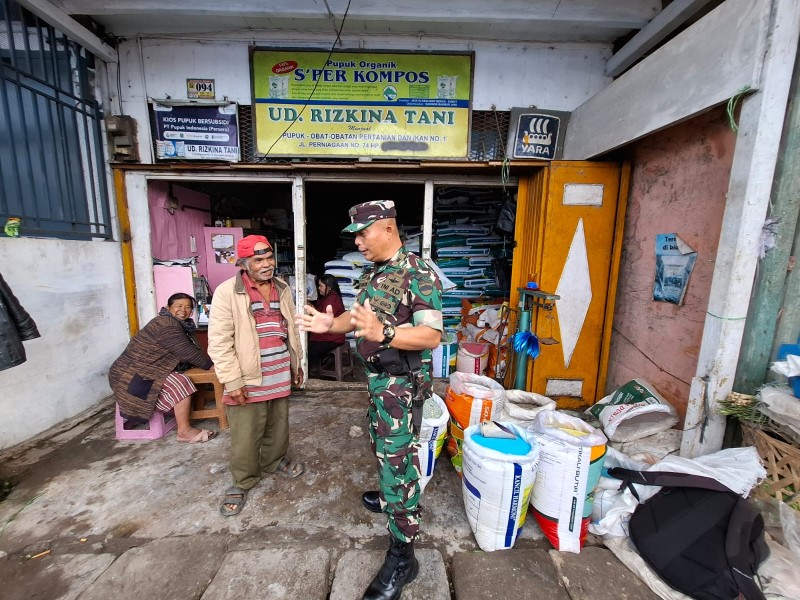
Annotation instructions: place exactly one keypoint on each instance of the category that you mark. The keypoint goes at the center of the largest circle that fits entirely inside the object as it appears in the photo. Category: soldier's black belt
(394, 362)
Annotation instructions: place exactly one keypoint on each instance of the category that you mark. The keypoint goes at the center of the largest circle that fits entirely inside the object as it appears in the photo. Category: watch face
(388, 331)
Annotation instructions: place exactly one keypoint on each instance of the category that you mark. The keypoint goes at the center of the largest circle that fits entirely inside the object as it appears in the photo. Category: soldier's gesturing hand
(313, 321)
(366, 322)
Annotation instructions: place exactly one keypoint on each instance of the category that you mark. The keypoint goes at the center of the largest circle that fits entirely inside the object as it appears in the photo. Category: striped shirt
(276, 372)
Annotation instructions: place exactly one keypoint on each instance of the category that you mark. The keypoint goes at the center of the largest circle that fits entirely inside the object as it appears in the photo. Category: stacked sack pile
(519, 453)
(465, 247)
(347, 270)
(513, 449)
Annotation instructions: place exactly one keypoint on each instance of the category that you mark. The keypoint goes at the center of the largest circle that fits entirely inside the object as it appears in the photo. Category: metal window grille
(52, 172)
(488, 134)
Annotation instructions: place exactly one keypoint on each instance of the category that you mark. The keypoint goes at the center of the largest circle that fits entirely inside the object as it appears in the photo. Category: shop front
(185, 223)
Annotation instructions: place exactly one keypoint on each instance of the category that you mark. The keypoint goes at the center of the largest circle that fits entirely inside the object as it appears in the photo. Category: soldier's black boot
(371, 500)
(399, 568)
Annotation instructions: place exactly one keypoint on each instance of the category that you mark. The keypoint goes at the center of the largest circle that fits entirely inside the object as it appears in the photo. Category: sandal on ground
(234, 496)
(205, 435)
(289, 468)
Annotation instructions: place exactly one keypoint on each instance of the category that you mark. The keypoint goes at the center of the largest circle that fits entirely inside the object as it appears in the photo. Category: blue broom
(526, 342)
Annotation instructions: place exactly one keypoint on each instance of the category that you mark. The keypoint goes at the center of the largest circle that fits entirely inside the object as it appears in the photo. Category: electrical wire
(314, 89)
(731, 108)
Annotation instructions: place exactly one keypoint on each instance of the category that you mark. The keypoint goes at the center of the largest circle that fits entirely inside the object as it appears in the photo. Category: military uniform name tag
(389, 292)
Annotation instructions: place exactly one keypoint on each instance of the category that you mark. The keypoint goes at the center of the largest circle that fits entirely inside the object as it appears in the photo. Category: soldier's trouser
(259, 439)
(395, 447)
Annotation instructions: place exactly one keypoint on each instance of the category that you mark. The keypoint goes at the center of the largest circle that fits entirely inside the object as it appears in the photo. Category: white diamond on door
(575, 293)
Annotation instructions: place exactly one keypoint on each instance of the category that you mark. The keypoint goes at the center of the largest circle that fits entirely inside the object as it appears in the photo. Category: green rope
(16, 514)
(725, 318)
(505, 170)
(732, 107)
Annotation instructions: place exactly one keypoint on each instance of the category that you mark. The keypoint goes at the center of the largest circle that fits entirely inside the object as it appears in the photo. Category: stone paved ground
(95, 518)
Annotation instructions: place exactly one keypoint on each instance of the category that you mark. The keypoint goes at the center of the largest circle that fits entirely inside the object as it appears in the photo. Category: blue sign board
(197, 132)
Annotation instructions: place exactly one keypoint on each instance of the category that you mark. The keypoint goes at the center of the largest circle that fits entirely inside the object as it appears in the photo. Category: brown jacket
(232, 336)
(137, 376)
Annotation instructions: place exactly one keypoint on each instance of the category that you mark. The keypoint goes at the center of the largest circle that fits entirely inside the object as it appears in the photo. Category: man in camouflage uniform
(397, 320)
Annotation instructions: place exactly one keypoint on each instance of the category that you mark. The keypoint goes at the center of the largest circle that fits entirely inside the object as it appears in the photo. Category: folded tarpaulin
(451, 302)
(454, 262)
(479, 283)
(463, 230)
(450, 240)
(480, 261)
(490, 240)
(464, 272)
(461, 293)
(462, 251)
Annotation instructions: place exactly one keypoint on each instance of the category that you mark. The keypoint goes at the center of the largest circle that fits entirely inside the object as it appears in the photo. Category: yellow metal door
(569, 234)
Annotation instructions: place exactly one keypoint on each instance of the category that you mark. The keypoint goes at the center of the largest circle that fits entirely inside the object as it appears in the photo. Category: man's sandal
(289, 468)
(234, 496)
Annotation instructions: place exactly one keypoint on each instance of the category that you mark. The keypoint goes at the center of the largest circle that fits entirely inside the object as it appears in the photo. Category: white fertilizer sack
(496, 488)
(431, 437)
(634, 411)
(571, 461)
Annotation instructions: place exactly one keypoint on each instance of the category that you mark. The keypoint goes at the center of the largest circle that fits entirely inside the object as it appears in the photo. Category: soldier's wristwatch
(388, 334)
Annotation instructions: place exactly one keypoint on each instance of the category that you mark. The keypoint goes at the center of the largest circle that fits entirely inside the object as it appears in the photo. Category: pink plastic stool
(159, 427)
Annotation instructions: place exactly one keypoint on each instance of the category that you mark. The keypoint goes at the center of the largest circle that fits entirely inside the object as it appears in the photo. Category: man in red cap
(255, 346)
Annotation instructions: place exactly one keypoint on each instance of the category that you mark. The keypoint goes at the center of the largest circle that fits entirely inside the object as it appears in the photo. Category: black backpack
(699, 536)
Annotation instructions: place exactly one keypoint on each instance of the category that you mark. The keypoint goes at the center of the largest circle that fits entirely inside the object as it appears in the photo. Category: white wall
(549, 76)
(703, 66)
(74, 291)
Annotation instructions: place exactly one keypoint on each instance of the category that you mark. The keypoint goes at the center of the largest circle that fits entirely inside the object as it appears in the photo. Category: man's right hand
(239, 396)
(313, 321)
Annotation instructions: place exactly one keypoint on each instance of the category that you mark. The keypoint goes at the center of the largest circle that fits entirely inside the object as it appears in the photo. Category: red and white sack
(570, 464)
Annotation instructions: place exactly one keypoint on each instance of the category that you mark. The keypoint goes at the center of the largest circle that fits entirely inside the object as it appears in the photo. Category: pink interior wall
(170, 233)
(678, 185)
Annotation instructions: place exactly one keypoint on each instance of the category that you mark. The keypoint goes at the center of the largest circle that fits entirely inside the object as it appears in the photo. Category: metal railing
(52, 168)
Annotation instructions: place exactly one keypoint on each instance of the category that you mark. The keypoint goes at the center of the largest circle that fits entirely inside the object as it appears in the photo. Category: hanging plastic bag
(506, 217)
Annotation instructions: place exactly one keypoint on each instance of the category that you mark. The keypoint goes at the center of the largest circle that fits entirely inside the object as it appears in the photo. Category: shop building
(642, 151)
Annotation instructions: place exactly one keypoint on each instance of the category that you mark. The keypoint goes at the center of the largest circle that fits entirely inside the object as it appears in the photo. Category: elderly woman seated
(147, 376)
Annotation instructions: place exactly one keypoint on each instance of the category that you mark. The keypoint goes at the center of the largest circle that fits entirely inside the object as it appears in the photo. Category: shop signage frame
(536, 134)
(359, 104)
(196, 130)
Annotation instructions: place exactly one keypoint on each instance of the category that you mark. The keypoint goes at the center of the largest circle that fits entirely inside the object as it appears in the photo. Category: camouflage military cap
(364, 215)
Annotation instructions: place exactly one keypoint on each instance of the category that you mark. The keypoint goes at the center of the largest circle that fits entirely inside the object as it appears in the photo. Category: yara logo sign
(536, 136)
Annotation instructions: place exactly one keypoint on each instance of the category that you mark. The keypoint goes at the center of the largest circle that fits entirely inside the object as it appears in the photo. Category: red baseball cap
(246, 245)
